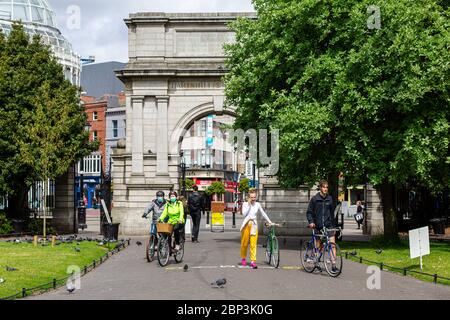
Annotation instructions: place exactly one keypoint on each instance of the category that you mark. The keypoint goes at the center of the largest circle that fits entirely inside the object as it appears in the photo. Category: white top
(250, 213)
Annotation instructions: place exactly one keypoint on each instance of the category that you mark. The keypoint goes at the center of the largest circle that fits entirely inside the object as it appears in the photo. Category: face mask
(160, 199)
(173, 199)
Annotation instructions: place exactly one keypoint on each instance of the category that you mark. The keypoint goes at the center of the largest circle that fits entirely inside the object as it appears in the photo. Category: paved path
(129, 276)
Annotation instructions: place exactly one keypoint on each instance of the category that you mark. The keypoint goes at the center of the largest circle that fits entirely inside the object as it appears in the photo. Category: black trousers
(196, 217)
(177, 232)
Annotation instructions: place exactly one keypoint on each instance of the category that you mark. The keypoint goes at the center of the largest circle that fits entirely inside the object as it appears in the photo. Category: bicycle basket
(164, 228)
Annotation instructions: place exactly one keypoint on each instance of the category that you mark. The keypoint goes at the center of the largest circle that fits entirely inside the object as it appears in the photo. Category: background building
(98, 79)
(38, 18)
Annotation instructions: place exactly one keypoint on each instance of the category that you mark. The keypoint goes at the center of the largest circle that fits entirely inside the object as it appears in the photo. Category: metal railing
(403, 271)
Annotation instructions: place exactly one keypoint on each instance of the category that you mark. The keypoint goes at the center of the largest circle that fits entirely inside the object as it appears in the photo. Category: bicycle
(272, 248)
(152, 241)
(311, 256)
(166, 244)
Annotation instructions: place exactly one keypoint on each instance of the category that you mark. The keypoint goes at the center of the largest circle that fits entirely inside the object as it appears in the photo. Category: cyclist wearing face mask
(174, 214)
(157, 206)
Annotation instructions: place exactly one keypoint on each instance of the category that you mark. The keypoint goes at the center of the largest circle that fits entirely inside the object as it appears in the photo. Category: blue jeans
(153, 228)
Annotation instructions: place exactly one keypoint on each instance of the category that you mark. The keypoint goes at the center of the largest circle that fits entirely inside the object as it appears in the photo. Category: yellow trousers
(245, 238)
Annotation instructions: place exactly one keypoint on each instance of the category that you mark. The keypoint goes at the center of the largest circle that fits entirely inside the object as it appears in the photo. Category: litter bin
(438, 225)
(111, 231)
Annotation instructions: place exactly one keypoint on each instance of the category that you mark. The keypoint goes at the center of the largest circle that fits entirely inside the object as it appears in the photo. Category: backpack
(195, 203)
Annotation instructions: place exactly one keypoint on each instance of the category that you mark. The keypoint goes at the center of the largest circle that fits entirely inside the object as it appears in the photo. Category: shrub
(36, 226)
(5, 225)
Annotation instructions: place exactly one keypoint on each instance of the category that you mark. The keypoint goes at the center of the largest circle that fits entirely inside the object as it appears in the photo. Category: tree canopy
(41, 119)
(371, 103)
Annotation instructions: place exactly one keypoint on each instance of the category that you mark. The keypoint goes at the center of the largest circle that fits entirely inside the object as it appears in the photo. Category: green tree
(43, 124)
(216, 187)
(244, 185)
(346, 97)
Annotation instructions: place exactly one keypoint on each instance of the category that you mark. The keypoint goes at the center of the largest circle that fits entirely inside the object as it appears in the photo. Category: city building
(98, 79)
(87, 60)
(38, 18)
(115, 118)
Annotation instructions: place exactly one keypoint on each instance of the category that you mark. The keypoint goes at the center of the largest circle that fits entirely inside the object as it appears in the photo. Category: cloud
(103, 33)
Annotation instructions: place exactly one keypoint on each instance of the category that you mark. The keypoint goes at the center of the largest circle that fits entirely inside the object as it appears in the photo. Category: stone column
(162, 143)
(374, 224)
(64, 219)
(137, 149)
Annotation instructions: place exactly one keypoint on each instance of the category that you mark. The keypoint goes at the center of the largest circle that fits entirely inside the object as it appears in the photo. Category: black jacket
(321, 211)
(195, 203)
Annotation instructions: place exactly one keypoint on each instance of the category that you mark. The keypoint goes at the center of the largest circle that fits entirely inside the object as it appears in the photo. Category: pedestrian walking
(196, 206)
(249, 228)
(359, 215)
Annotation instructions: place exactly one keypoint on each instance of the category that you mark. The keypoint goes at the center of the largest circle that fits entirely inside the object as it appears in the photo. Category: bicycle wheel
(308, 257)
(163, 250)
(333, 259)
(180, 253)
(275, 258)
(268, 250)
(150, 250)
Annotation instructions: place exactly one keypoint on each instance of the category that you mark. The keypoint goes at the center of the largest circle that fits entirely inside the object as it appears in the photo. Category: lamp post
(183, 174)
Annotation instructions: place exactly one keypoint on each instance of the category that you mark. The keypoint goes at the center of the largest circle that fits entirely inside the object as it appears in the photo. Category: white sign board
(105, 209)
(344, 207)
(419, 243)
(187, 226)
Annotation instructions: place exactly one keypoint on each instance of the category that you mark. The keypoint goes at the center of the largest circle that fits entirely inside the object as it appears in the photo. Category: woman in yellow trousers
(249, 228)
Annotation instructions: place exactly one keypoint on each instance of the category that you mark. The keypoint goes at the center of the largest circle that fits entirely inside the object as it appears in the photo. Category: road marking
(238, 267)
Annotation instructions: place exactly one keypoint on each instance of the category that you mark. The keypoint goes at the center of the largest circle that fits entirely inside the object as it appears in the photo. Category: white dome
(38, 18)
(36, 11)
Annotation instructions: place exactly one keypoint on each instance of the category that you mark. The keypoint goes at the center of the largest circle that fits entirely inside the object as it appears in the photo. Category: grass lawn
(41, 264)
(397, 255)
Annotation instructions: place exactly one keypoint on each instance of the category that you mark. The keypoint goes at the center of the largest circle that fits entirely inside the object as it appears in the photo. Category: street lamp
(183, 174)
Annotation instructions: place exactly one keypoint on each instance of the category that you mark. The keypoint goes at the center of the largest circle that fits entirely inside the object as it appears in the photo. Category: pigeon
(17, 241)
(353, 253)
(77, 249)
(185, 268)
(219, 283)
(101, 244)
(78, 243)
(2, 280)
(139, 243)
(10, 268)
(379, 251)
(70, 288)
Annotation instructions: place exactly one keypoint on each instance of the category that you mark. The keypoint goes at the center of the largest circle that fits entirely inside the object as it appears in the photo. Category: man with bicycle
(320, 214)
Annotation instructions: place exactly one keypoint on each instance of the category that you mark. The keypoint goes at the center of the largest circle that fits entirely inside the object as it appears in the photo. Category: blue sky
(102, 32)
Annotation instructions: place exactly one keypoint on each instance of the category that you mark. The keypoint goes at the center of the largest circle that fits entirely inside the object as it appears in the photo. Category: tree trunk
(389, 215)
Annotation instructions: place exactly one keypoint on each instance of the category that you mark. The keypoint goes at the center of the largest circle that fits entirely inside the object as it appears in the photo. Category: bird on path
(139, 243)
(185, 268)
(379, 251)
(11, 268)
(219, 283)
(70, 288)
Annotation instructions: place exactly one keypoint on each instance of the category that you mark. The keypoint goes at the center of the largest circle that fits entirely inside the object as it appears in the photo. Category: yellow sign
(217, 218)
